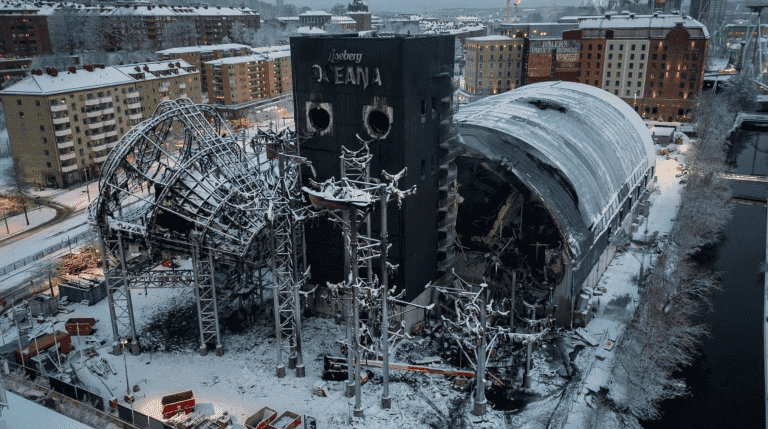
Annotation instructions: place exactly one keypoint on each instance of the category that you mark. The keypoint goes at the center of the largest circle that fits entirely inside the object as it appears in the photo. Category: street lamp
(128, 396)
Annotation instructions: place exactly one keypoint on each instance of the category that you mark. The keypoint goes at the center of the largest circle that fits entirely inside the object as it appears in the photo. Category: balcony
(110, 133)
(100, 147)
(62, 120)
(64, 132)
(111, 145)
(163, 89)
(95, 125)
(101, 159)
(110, 122)
(69, 168)
(93, 113)
(132, 95)
(164, 98)
(64, 145)
(135, 116)
(133, 106)
(58, 107)
(95, 101)
(97, 137)
(182, 85)
(67, 157)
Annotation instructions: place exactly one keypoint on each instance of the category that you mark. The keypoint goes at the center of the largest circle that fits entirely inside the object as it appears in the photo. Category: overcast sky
(419, 5)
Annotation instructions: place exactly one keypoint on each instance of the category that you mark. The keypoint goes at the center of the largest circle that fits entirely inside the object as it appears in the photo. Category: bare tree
(64, 26)
(14, 176)
(338, 9)
(179, 33)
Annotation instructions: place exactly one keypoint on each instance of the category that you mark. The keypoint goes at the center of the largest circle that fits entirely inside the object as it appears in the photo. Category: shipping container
(261, 419)
(63, 340)
(178, 402)
(83, 324)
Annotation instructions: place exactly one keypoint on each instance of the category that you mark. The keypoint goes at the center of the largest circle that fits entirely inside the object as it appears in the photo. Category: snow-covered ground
(6, 164)
(18, 223)
(23, 413)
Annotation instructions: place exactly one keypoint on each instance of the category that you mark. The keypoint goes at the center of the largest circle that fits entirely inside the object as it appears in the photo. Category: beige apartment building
(241, 83)
(197, 55)
(494, 64)
(63, 124)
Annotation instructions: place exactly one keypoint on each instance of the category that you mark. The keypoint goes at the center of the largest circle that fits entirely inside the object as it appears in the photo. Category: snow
(310, 30)
(203, 48)
(18, 223)
(66, 81)
(23, 413)
(6, 164)
(315, 13)
(642, 21)
(238, 60)
(489, 39)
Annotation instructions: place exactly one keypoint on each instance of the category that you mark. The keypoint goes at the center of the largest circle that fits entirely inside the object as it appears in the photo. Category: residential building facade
(197, 55)
(62, 124)
(25, 28)
(655, 63)
(241, 83)
(494, 64)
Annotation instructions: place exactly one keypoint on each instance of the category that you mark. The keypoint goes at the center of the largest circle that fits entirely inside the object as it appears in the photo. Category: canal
(726, 382)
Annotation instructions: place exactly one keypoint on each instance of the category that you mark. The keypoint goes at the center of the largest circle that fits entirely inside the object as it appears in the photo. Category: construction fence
(68, 242)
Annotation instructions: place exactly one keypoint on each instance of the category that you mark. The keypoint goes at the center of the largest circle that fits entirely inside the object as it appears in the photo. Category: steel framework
(178, 185)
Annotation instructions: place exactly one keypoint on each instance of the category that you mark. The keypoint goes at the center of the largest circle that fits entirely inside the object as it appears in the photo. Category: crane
(517, 2)
(506, 17)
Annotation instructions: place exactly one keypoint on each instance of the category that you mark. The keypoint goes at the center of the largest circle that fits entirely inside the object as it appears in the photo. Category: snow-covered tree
(179, 33)
(338, 9)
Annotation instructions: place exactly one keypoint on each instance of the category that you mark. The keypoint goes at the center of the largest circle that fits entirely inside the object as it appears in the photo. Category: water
(726, 381)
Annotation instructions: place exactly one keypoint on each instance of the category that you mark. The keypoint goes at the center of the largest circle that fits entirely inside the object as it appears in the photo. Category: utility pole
(480, 401)
(386, 401)
(358, 411)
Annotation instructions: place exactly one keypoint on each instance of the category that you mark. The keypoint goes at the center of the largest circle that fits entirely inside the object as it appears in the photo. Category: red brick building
(24, 30)
(655, 63)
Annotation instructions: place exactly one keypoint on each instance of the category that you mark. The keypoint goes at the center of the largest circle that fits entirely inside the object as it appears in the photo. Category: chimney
(88, 67)
(178, 64)
(137, 68)
(120, 63)
(146, 68)
(607, 15)
(170, 65)
(655, 14)
(73, 69)
(37, 72)
(99, 66)
(52, 71)
(632, 15)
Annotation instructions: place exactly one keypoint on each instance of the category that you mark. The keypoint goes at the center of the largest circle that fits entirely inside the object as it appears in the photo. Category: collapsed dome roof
(579, 147)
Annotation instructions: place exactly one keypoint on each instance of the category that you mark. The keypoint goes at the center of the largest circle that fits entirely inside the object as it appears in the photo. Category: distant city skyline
(430, 5)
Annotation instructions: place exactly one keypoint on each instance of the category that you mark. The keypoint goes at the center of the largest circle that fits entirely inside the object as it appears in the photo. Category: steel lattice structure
(178, 185)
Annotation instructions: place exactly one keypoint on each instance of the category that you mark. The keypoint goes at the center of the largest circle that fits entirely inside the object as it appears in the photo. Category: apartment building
(494, 64)
(655, 63)
(197, 55)
(11, 68)
(62, 124)
(241, 83)
(25, 27)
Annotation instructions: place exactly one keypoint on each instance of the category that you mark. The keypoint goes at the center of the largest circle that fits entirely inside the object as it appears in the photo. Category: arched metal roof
(562, 138)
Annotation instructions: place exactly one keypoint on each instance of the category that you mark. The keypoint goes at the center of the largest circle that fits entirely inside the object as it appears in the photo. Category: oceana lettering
(346, 75)
(344, 56)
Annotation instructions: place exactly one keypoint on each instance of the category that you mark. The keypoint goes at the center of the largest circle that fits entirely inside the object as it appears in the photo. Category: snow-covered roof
(315, 13)
(276, 48)
(237, 60)
(340, 19)
(203, 48)
(310, 30)
(575, 145)
(132, 9)
(489, 39)
(83, 79)
(656, 21)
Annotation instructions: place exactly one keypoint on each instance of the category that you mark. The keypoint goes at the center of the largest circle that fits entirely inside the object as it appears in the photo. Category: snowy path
(23, 413)
(18, 223)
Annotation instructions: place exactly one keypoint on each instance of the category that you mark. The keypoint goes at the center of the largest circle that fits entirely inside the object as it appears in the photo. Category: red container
(261, 419)
(84, 324)
(287, 420)
(178, 402)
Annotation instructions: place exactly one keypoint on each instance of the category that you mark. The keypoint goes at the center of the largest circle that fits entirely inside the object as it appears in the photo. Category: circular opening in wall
(378, 122)
(319, 118)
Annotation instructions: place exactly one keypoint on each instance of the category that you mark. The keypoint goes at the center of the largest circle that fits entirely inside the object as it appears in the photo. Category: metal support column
(129, 329)
(386, 401)
(195, 276)
(358, 411)
(480, 401)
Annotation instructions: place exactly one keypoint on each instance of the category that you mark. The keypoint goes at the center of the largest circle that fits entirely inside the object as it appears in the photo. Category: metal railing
(68, 242)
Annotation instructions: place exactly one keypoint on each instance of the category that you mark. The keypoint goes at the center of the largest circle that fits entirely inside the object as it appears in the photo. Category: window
(589, 56)
(596, 82)
(79, 141)
(610, 47)
(21, 114)
(663, 57)
(45, 140)
(632, 48)
(590, 46)
(642, 47)
(37, 102)
(639, 84)
(610, 56)
(42, 127)
(480, 75)
(607, 83)
(630, 74)
(23, 127)
(632, 56)
(481, 58)
(77, 129)
(618, 74)
(661, 84)
(423, 107)
(46, 153)
(640, 75)
(89, 96)
(631, 65)
(598, 55)
(655, 110)
(621, 56)
(607, 74)
(617, 84)
(642, 57)
(621, 47)
(48, 164)
(627, 93)
(424, 167)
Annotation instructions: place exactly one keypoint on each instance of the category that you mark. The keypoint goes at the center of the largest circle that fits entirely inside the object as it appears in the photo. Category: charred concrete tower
(395, 92)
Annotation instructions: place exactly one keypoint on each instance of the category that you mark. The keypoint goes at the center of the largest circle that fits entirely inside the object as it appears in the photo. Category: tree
(16, 183)
(179, 33)
(338, 9)
(740, 91)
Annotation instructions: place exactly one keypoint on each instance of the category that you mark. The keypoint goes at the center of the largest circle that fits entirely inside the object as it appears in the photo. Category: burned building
(549, 176)
(396, 93)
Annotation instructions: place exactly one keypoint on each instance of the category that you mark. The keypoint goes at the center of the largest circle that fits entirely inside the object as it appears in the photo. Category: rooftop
(237, 60)
(640, 21)
(82, 79)
(203, 48)
(315, 13)
(48, 8)
(488, 38)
